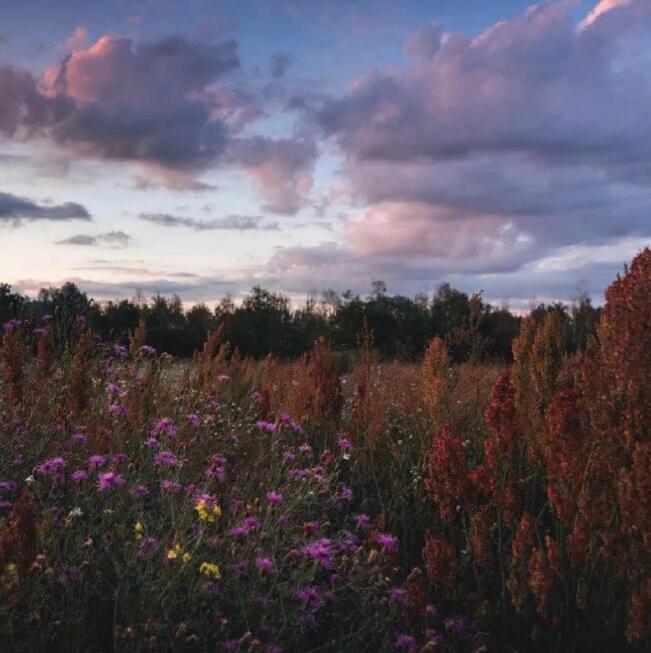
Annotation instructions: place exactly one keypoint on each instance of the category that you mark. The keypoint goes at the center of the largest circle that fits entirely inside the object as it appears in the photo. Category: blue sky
(201, 147)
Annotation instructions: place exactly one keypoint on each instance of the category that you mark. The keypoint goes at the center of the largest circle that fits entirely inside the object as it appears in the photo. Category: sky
(201, 147)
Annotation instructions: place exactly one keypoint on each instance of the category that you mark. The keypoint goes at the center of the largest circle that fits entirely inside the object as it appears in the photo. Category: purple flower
(348, 543)
(362, 521)
(345, 444)
(288, 456)
(52, 467)
(152, 442)
(114, 390)
(8, 486)
(96, 461)
(5, 506)
(345, 494)
(109, 480)
(170, 486)
(387, 541)
(247, 526)
(47, 317)
(217, 468)
(40, 331)
(319, 552)
(10, 326)
(223, 378)
(305, 448)
(405, 643)
(164, 426)
(141, 491)
(193, 419)
(398, 595)
(458, 625)
(268, 427)
(120, 459)
(165, 458)
(117, 409)
(274, 498)
(78, 437)
(264, 564)
(310, 597)
(79, 476)
(148, 350)
(121, 351)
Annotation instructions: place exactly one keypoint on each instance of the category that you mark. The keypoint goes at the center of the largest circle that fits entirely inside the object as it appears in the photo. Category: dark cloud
(15, 209)
(282, 168)
(111, 239)
(238, 222)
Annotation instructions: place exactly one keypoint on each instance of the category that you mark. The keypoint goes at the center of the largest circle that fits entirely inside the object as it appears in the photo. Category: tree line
(265, 322)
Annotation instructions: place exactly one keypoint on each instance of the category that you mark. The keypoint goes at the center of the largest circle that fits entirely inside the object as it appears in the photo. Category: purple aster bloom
(345, 444)
(217, 468)
(170, 486)
(193, 419)
(319, 552)
(47, 317)
(223, 378)
(8, 486)
(152, 442)
(405, 642)
(239, 568)
(165, 458)
(117, 409)
(288, 456)
(114, 390)
(264, 564)
(164, 426)
(40, 331)
(268, 427)
(387, 541)
(348, 543)
(398, 595)
(274, 498)
(120, 459)
(297, 428)
(121, 351)
(310, 597)
(52, 467)
(345, 494)
(148, 350)
(305, 448)
(362, 521)
(96, 461)
(458, 625)
(78, 437)
(141, 491)
(10, 326)
(108, 480)
(79, 476)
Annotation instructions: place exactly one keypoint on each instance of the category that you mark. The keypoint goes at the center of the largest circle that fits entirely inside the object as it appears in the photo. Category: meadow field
(226, 503)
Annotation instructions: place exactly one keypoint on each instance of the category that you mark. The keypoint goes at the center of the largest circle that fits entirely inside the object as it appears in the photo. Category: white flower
(29, 480)
(75, 512)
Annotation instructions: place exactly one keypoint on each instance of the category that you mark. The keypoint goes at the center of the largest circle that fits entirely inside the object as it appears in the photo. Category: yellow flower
(186, 557)
(206, 513)
(139, 530)
(210, 569)
(173, 553)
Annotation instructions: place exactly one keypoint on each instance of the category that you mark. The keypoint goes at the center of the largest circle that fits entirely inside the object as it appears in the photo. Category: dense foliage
(265, 322)
(242, 504)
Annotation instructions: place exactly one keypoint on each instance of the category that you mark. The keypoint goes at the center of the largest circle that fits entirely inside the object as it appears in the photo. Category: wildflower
(348, 543)
(114, 390)
(141, 491)
(139, 530)
(310, 597)
(79, 437)
(193, 419)
(268, 427)
(223, 378)
(96, 461)
(5, 506)
(217, 468)
(148, 350)
(121, 351)
(405, 643)
(120, 459)
(206, 512)
(165, 458)
(75, 512)
(170, 486)
(264, 564)
(305, 448)
(108, 480)
(186, 557)
(152, 442)
(274, 498)
(398, 595)
(51, 467)
(117, 409)
(288, 456)
(387, 541)
(362, 521)
(172, 554)
(163, 426)
(29, 480)
(319, 551)
(210, 569)
(345, 444)
(8, 486)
